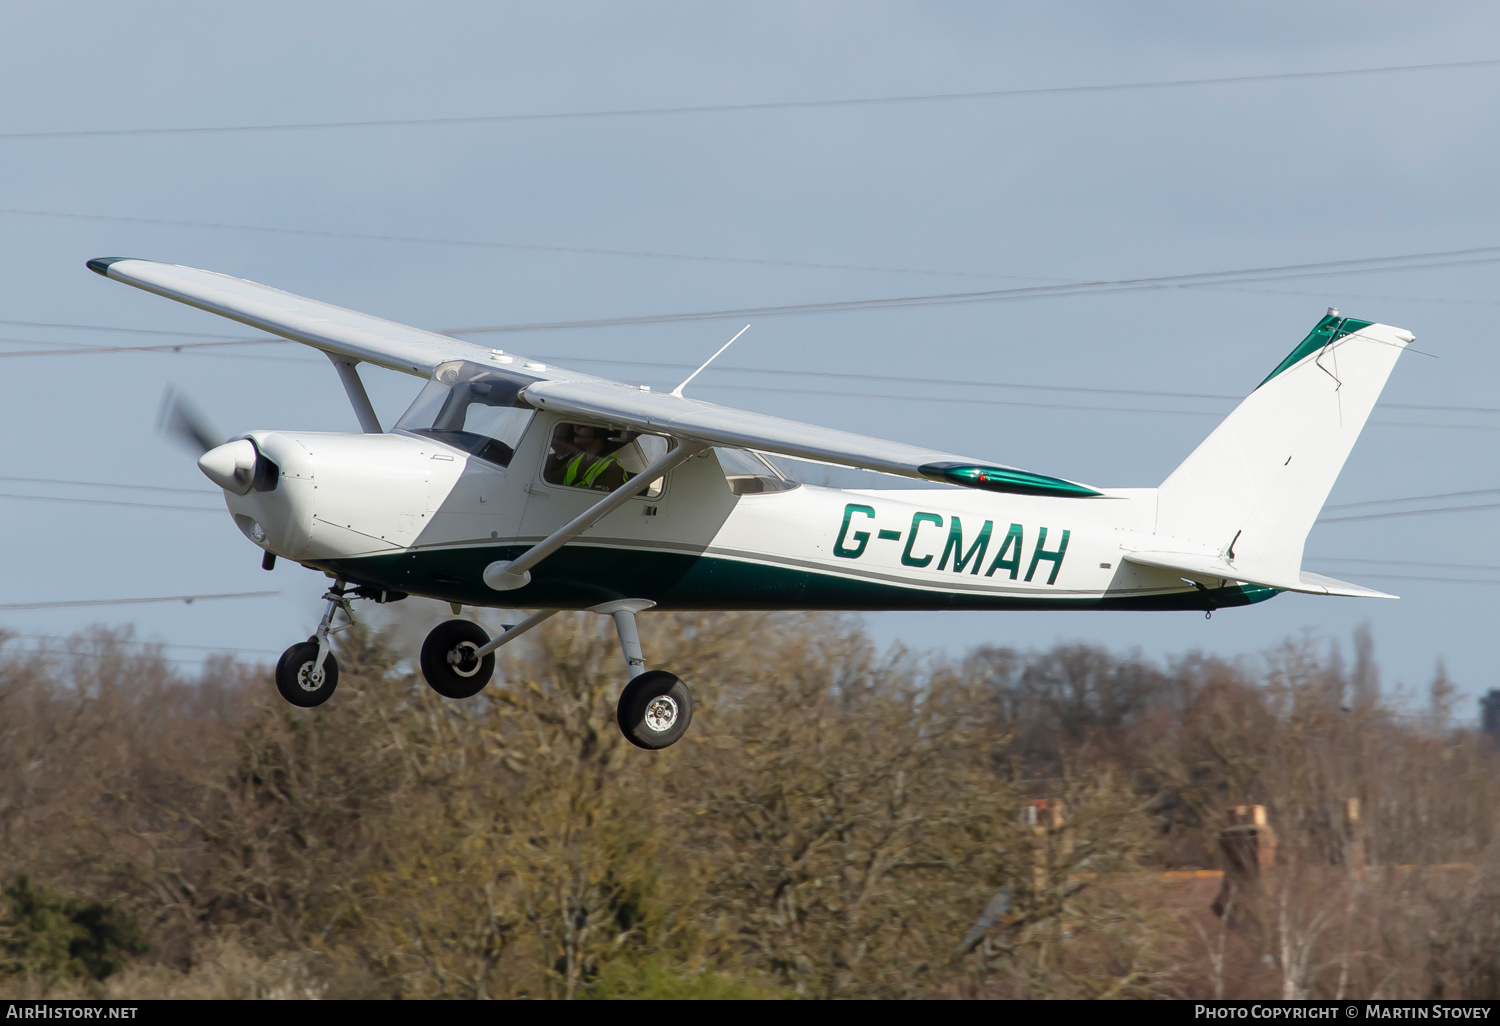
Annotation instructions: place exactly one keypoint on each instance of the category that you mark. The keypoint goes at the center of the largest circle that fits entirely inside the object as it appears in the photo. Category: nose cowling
(238, 467)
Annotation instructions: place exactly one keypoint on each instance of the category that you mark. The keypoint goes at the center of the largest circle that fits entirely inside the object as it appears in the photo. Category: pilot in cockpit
(584, 456)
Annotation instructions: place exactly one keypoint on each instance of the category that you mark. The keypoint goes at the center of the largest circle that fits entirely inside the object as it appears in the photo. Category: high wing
(324, 326)
(361, 337)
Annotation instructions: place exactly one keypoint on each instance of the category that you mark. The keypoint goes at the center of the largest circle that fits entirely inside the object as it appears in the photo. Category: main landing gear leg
(656, 708)
(630, 639)
(307, 672)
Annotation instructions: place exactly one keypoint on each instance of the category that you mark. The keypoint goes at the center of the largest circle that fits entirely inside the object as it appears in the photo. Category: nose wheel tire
(299, 679)
(448, 661)
(655, 710)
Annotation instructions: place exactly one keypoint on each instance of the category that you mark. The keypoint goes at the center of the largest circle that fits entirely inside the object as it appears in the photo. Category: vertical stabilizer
(1252, 490)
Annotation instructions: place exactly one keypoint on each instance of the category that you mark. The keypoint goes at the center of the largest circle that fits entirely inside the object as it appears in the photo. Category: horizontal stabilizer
(1333, 586)
(1210, 565)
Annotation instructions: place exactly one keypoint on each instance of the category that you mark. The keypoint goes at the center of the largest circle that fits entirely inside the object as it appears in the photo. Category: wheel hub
(661, 713)
(463, 658)
(310, 677)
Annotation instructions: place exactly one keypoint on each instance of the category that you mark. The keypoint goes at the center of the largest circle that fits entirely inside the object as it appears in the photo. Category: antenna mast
(678, 390)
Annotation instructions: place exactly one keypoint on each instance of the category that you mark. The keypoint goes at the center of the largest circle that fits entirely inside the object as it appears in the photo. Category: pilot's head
(587, 437)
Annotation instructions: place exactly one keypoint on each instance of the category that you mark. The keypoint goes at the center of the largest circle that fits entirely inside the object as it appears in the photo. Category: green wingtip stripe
(1329, 329)
(100, 265)
(1004, 479)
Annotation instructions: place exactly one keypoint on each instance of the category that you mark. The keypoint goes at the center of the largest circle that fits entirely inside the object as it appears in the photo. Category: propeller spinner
(236, 466)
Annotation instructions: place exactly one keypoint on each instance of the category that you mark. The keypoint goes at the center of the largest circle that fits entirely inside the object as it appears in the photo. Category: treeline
(839, 822)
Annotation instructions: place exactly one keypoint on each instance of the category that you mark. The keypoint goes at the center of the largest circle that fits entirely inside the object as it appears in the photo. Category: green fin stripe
(1329, 329)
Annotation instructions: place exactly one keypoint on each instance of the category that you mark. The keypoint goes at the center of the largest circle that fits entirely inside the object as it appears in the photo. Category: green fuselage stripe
(580, 576)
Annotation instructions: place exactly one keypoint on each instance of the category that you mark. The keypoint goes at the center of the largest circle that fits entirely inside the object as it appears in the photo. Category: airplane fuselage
(407, 513)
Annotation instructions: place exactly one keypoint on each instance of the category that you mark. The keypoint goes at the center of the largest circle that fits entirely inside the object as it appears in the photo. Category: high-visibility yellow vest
(601, 464)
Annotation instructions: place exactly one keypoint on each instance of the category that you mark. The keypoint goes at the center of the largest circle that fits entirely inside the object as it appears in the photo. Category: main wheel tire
(655, 710)
(298, 680)
(448, 661)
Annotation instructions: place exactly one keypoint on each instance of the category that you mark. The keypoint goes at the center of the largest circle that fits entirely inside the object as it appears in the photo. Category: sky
(548, 220)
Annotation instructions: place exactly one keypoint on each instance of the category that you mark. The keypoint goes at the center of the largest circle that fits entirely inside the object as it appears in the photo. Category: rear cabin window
(750, 473)
(601, 459)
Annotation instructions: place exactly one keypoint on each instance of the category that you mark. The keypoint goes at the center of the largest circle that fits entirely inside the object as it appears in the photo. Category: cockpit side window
(601, 459)
(472, 409)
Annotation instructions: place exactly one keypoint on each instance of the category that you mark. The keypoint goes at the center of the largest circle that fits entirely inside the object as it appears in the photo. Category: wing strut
(509, 574)
(355, 389)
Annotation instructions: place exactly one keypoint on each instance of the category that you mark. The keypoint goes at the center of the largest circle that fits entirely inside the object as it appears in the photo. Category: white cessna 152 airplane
(513, 483)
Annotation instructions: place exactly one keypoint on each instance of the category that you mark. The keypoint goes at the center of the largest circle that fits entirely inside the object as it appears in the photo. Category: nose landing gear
(307, 672)
(300, 678)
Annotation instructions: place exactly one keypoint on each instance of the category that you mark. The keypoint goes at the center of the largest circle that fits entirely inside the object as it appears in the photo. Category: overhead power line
(108, 502)
(967, 401)
(110, 484)
(1435, 580)
(957, 382)
(1285, 272)
(662, 255)
(188, 599)
(846, 394)
(524, 246)
(129, 331)
(1409, 513)
(774, 105)
(131, 642)
(78, 350)
(1404, 562)
(98, 657)
(1414, 498)
(166, 347)
(1435, 259)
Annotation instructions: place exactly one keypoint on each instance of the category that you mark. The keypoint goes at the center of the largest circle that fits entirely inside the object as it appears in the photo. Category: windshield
(473, 409)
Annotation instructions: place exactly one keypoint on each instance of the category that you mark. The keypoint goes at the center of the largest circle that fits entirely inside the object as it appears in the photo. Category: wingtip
(100, 265)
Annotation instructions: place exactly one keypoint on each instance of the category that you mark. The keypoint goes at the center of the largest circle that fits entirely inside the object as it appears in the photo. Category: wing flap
(1209, 565)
